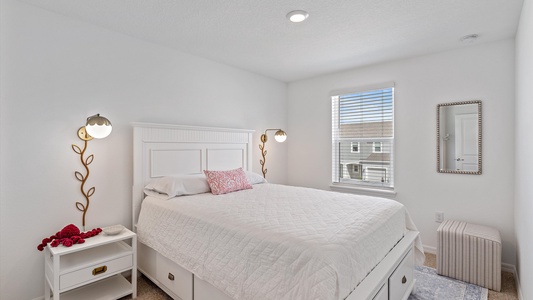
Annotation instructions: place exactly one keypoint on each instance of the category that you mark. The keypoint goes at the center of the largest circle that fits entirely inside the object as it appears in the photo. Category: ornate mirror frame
(439, 138)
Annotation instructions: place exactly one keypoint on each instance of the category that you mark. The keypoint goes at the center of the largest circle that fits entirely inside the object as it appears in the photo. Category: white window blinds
(365, 119)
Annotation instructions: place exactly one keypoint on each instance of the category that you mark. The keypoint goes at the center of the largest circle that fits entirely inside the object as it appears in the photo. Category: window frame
(338, 180)
(374, 147)
(358, 147)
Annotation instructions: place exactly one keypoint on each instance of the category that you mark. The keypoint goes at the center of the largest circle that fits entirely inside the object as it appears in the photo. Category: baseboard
(429, 249)
(509, 268)
(518, 286)
(38, 298)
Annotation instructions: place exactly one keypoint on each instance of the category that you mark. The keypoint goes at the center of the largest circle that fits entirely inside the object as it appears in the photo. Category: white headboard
(160, 150)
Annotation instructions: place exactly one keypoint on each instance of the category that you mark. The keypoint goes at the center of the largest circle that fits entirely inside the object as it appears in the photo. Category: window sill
(383, 192)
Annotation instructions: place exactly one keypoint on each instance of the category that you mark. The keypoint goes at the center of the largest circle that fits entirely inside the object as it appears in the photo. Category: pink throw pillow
(223, 182)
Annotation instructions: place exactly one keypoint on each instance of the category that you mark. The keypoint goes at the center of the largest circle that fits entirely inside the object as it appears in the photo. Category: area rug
(431, 286)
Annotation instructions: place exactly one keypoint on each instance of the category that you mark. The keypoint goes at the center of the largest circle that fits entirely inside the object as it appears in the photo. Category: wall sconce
(95, 127)
(280, 137)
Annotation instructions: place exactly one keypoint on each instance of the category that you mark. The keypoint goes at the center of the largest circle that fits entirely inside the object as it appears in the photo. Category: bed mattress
(274, 241)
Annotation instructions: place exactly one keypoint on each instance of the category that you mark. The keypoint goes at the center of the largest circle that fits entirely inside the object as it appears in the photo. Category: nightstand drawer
(401, 280)
(94, 272)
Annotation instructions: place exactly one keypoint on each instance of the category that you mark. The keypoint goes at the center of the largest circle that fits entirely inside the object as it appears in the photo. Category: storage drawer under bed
(174, 277)
(402, 279)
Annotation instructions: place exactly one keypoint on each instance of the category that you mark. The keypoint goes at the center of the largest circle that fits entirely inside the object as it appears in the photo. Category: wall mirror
(459, 137)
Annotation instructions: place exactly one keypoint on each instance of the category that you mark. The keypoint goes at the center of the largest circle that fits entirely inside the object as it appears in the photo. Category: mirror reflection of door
(459, 137)
(466, 142)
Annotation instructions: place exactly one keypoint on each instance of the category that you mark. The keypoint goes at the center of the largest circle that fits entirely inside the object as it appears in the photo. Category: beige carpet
(148, 291)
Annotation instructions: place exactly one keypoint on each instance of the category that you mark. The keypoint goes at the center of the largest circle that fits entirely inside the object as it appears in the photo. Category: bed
(267, 242)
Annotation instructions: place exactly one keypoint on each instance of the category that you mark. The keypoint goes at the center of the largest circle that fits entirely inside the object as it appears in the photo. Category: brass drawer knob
(171, 276)
(404, 280)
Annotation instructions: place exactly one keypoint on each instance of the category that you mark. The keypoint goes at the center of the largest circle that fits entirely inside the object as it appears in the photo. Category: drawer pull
(99, 270)
(404, 280)
(171, 276)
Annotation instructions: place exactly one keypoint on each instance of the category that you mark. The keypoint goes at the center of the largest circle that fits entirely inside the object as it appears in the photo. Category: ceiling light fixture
(297, 16)
(469, 39)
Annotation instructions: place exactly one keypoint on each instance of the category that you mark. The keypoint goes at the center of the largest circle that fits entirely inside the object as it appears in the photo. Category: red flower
(69, 231)
(68, 236)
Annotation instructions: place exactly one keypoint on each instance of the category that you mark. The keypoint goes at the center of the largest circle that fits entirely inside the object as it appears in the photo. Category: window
(377, 147)
(363, 137)
(355, 147)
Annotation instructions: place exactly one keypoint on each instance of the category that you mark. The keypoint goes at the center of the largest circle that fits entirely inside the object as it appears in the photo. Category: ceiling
(255, 35)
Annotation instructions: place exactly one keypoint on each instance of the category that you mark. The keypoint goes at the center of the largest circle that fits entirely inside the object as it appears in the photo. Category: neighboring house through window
(363, 136)
(377, 147)
(355, 147)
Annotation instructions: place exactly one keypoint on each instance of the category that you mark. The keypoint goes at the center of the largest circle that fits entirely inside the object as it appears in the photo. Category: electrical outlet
(439, 216)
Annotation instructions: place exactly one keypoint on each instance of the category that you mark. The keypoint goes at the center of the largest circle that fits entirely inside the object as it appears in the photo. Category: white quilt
(274, 241)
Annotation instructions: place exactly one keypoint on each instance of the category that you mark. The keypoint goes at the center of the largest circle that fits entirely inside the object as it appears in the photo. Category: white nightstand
(92, 270)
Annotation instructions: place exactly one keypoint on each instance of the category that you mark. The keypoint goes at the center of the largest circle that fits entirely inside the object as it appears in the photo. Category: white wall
(55, 72)
(480, 72)
(523, 150)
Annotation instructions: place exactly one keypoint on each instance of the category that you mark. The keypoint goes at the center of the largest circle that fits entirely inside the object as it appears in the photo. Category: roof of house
(377, 157)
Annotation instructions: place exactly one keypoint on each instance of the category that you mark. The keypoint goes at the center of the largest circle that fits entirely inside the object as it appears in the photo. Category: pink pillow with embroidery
(223, 182)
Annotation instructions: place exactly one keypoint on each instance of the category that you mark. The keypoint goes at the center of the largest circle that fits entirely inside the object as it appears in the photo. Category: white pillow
(254, 178)
(178, 185)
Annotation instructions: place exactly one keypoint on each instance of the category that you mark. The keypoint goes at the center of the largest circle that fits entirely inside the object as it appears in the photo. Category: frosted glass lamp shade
(280, 136)
(98, 127)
